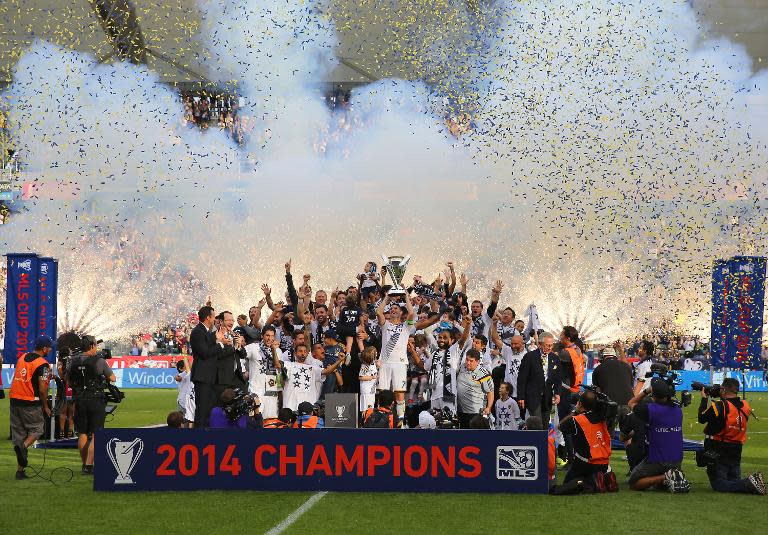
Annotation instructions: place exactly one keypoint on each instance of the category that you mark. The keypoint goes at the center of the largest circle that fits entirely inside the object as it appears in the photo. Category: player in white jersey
(393, 373)
(302, 379)
(442, 365)
(512, 353)
(263, 360)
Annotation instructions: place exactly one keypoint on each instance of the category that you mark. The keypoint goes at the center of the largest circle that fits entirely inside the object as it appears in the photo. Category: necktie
(544, 364)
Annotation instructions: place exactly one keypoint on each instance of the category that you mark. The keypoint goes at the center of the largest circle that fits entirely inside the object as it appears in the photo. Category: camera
(242, 403)
(710, 390)
(663, 372)
(445, 418)
(605, 408)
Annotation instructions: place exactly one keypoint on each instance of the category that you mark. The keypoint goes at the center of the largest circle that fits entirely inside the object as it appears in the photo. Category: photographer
(591, 443)
(237, 410)
(724, 435)
(664, 435)
(88, 373)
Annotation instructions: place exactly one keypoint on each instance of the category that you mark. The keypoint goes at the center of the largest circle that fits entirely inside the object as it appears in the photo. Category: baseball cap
(44, 341)
(609, 352)
(427, 421)
(660, 388)
(330, 333)
(305, 407)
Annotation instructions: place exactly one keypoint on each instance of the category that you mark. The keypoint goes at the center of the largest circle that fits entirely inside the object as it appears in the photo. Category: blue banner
(21, 317)
(719, 324)
(146, 377)
(744, 307)
(382, 460)
(47, 302)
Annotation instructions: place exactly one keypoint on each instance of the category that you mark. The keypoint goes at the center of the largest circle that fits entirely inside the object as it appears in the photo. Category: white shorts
(268, 406)
(367, 401)
(393, 376)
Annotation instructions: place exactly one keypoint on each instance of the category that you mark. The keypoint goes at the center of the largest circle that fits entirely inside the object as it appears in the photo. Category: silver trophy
(124, 456)
(395, 266)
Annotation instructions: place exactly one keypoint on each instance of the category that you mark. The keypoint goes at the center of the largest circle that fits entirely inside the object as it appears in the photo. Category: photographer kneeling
(724, 435)
(237, 410)
(664, 434)
(591, 443)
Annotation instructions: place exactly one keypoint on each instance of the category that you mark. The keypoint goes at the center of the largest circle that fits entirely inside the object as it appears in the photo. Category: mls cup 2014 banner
(417, 460)
(738, 300)
(30, 304)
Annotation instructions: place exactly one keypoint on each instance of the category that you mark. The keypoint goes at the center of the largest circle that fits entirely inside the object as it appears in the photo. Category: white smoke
(611, 153)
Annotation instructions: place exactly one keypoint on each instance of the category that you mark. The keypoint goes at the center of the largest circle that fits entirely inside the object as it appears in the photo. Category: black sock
(21, 456)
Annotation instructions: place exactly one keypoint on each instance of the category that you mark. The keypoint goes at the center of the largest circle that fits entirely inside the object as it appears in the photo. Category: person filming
(88, 374)
(664, 435)
(725, 432)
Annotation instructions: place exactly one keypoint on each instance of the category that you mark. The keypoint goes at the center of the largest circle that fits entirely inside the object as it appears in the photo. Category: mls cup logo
(124, 456)
(26, 265)
(395, 266)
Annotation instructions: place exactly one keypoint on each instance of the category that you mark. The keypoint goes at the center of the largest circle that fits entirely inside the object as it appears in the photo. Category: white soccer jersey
(394, 342)
(506, 413)
(512, 361)
(302, 383)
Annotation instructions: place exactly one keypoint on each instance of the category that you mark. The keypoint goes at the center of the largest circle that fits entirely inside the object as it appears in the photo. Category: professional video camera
(672, 379)
(710, 390)
(242, 403)
(605, 408)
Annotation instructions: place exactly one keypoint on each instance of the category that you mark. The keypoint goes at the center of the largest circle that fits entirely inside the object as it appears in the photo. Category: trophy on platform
(395, 266)
(124, 456)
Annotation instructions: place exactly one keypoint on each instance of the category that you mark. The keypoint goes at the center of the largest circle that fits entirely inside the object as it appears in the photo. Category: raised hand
(266, 289)
(307, 276)
(498, 287)
(261, 303)
(463, 279)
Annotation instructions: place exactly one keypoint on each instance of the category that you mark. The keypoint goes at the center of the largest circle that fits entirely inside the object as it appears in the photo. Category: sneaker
(598, 482)
(680, 485)
(561, 462)
(611, 485)
(669, 479)
(87, 470)
(758, 482)
(20, 474)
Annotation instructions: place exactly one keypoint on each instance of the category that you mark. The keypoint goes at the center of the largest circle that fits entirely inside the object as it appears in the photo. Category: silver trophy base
(397, 291)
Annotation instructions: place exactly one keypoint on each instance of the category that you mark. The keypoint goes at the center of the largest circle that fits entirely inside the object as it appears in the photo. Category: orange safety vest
(577, 359)
(551, 453)
(21, 386)
(311, 423)
(383, 411)
(735, 430)
(275, 423)
(597, 438)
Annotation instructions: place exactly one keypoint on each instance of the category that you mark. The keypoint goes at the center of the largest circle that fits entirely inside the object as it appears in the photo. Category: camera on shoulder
(602, 406)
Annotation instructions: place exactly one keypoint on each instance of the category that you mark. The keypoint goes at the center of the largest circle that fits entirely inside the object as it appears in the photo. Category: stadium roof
(162, 33)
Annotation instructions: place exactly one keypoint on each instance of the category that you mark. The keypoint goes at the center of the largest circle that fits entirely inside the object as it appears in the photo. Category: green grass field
(72, 507)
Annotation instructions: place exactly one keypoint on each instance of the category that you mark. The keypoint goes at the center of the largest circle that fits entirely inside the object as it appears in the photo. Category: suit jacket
(531, 385)
(207, 354)
(229, 370)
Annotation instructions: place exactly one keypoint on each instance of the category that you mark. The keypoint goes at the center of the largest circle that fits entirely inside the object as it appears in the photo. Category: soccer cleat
(758, 482)
(669, 479)
(610, 482)
(680, 485)
(561, 462)
(20, 474)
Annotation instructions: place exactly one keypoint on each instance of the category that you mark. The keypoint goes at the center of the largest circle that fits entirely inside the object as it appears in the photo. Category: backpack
(377, 419)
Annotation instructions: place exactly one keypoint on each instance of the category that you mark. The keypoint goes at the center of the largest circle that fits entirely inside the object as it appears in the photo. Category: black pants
(581, 470)
(206, 399)
(465, 418)
(90, 413)
(564, 408)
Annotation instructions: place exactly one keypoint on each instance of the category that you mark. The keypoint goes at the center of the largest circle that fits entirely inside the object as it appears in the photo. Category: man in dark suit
(536, 390)
(208, 347)
(229, 368)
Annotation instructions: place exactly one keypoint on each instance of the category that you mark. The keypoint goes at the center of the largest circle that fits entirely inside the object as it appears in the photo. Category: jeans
(727, 478)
